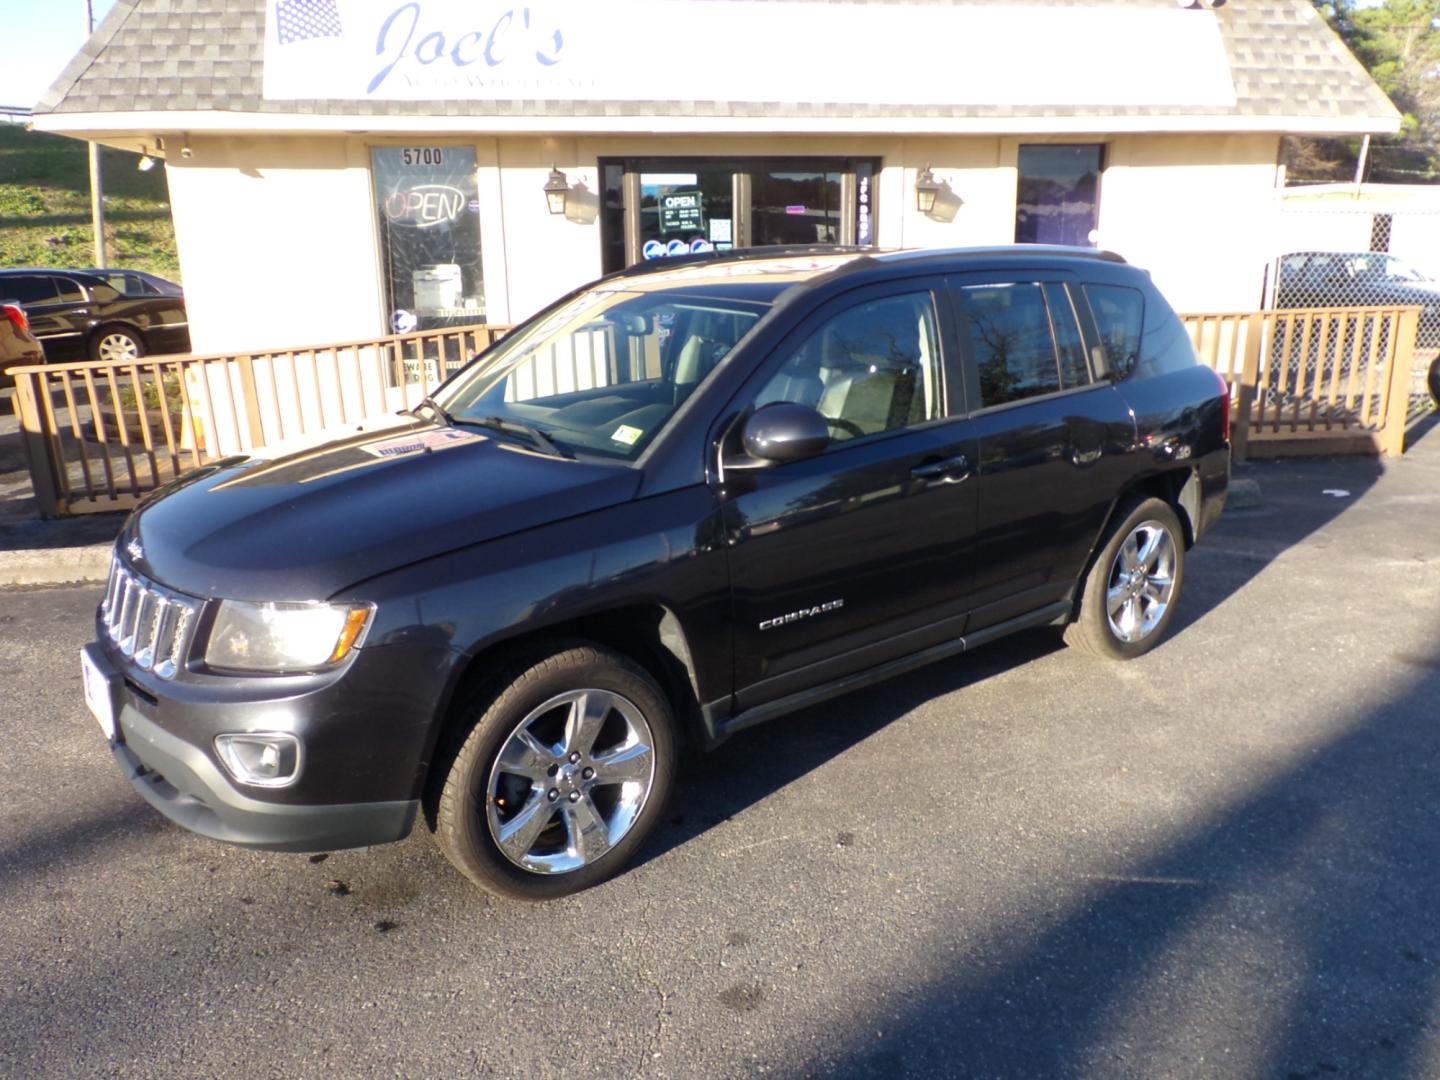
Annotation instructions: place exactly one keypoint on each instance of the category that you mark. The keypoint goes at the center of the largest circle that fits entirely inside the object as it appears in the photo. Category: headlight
(284, 637)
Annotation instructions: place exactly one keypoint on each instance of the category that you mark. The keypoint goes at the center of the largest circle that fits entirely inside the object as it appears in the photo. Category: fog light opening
(260, 759)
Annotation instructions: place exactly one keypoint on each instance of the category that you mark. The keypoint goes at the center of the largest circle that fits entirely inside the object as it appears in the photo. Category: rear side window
(1074, 368)
(70, 291)
(1119, 314)
(29, 289)
(1139, 338)
(1010, 341)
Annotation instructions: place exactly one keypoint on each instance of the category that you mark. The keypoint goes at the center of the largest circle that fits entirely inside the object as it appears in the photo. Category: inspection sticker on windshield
(418, 444)
(626, 434)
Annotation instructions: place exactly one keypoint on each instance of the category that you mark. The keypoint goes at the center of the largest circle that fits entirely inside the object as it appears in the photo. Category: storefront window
(687, 212)
(685, 206)
(429, 212)
(795, 206)
(1058, 201)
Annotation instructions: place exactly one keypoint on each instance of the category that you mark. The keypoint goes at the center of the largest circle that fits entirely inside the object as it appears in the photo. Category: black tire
(1433, 381)
(468, 807)
(116, 342)
(1138, 624)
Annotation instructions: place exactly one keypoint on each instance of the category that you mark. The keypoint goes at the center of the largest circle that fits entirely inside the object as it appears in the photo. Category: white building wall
(1197, 211)
(278, 244)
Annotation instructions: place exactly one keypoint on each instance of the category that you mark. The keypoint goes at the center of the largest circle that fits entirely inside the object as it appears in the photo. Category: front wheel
(1433, 381)
(1128, 597)
(561, 775)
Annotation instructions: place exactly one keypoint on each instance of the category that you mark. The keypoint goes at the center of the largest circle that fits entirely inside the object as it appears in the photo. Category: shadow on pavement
(757, 763)
(1330, 866)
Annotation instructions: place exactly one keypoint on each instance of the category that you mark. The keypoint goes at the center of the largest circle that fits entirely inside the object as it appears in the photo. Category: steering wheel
(852, 430)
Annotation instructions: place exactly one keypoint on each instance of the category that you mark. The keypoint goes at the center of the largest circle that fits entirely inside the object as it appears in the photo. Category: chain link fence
(1333, 250)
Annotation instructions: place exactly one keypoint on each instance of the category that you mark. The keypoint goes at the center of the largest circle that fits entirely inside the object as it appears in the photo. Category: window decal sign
(584, 50)
(426, 205)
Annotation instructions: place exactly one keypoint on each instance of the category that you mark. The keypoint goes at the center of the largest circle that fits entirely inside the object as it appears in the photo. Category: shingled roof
(159, 56)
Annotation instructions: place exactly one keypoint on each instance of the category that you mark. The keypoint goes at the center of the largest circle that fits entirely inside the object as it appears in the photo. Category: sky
(40, 38)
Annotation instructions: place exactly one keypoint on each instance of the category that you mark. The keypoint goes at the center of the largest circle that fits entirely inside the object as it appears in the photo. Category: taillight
(17, 317)
(1224, 404)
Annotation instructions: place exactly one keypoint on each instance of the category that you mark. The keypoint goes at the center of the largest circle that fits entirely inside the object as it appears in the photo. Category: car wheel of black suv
(560, 776)
(1433, 380)
(116, 343)
(1129, 594)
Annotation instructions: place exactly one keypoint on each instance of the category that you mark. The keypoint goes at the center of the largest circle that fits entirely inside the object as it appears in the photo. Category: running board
(1051, 615)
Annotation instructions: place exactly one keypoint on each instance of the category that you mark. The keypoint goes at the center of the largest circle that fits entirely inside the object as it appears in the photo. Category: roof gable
(157, 56)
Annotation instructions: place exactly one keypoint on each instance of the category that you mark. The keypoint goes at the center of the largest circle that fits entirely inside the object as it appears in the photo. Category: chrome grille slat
(149, 623)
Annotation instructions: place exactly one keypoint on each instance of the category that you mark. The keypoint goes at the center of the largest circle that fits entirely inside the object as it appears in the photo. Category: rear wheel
(1433, 381)
(1128, 597)
(116, 343)
(559, 777)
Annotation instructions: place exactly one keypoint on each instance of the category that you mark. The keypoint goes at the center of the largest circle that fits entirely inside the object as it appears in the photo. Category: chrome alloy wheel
(1142, 581)
(570, 781)
(118, 346)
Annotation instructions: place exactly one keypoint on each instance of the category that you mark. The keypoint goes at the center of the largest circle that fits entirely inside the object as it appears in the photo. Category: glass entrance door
(656, 208)
(686, 212)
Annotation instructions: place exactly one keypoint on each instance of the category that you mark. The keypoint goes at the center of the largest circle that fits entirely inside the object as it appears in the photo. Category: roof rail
(776, 251)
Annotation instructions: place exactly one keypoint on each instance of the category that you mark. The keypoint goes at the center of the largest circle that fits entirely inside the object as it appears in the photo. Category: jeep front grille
(151, 625)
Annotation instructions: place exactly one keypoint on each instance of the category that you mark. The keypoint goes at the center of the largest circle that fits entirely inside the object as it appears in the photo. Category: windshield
(602, 374)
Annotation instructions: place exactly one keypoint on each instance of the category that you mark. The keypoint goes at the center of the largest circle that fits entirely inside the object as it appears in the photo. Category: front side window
(871, 369)
(428, 206)
(603, 374)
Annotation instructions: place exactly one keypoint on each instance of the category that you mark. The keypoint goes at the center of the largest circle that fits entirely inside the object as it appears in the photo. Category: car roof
(810, 261)
(84, 275)
(784, 272)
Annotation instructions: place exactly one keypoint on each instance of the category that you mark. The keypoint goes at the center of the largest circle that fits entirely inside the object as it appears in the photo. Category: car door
(1052, 440)
(858, 555)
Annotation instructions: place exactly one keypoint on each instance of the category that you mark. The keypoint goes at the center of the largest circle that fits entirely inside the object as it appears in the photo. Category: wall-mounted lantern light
(146, 162)
(557, 188)
(926, 188)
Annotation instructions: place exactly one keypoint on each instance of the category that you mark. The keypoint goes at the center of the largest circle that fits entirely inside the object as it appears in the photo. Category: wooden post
(1246, 385)
(1397, 397)
(37, 446)
(252, 401)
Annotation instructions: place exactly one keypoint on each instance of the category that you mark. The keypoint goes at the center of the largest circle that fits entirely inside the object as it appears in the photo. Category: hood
(308, 524)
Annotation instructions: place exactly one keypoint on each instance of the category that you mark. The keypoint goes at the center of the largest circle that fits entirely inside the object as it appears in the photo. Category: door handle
(950, 470)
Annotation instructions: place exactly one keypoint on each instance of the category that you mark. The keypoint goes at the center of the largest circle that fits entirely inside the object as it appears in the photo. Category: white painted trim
(103, 126)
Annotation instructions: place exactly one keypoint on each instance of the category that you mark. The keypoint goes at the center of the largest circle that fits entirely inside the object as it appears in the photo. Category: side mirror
(785, 431)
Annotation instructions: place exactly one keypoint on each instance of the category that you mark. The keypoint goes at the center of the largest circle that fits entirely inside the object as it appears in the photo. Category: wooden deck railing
(100, 435)
(1321, 374)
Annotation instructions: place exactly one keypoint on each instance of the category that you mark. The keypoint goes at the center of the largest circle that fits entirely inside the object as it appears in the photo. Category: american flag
(301, 20)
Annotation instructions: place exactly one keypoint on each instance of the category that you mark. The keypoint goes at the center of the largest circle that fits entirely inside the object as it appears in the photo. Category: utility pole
(97, 191)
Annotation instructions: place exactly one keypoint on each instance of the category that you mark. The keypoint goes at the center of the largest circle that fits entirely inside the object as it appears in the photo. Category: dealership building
(341, 169)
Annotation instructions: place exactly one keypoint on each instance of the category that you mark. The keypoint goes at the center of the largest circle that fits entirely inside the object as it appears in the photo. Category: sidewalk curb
(56, 566)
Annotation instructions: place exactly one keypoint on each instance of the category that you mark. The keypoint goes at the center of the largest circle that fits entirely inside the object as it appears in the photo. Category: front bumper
(182, 781)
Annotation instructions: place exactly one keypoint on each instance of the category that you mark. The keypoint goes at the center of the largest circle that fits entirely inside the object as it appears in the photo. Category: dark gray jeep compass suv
(676, 503)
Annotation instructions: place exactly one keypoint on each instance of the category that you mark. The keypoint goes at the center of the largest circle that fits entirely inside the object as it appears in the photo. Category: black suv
(77, 316)
(674, 504)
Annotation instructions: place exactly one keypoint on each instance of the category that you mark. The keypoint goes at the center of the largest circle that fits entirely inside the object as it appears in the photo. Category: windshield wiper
(519, 427)
(435, 407)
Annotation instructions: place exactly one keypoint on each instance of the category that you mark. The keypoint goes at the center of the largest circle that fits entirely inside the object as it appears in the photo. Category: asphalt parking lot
(1220, 860)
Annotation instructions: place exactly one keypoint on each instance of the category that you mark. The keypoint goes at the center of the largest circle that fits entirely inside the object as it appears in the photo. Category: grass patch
(45, 206)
